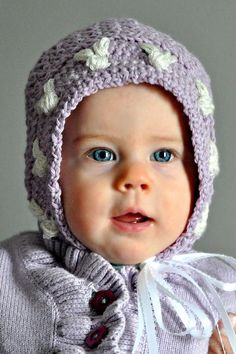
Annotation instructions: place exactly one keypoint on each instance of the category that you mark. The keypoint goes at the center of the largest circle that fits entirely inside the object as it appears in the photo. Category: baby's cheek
(89, 203)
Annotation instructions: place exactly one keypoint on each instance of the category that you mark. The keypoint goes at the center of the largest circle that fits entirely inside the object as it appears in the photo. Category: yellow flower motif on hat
(97, 57)
(40, 164)
(205, 100)
(48, 226)
(159, 59)
(49, 99)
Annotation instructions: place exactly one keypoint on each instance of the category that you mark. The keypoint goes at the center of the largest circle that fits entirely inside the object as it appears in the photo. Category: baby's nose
(135, 176)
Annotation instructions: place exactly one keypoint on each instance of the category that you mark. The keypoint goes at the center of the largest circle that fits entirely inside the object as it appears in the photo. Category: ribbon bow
(151, 283)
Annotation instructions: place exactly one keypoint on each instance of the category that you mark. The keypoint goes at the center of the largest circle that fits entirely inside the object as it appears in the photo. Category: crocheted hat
(111, 53)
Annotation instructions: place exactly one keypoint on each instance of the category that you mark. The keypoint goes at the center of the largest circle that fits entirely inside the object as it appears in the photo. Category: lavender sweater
(45, 292)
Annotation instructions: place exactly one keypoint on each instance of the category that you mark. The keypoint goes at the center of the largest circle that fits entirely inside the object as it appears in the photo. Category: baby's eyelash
(164, 155)
(100, 154)
(94, 154)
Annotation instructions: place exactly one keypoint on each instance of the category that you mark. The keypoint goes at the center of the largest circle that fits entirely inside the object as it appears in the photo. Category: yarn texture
(48, 278)
(112, 53)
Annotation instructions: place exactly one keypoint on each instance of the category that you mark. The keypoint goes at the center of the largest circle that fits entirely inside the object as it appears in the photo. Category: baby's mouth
(132, 218)
(132, 222)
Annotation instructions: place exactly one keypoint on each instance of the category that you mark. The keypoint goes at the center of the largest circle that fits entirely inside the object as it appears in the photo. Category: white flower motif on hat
(49, 99)
(36, 210)
(40, 164)
(213, 160)
(205, 100)
(97, 57)
(161, 60)
(202, 222)
(48, 226)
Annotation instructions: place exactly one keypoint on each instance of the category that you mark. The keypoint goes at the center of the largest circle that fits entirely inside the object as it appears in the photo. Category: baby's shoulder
(220, 267)
(212, 271)
(12, 246)
(9, 249)
(27, 313)
(14, 252)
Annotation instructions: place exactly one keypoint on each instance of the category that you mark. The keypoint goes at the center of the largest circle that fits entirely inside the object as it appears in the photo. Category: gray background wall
(206, 27)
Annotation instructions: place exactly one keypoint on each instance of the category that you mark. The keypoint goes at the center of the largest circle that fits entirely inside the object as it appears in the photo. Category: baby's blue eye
(163, 155)
(102, 155)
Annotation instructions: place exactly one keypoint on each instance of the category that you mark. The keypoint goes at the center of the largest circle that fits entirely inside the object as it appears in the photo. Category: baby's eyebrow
(112, 138)
(94, 136)
(171, 139)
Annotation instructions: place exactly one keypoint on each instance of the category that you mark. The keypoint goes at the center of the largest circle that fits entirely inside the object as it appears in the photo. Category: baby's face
(127, 148)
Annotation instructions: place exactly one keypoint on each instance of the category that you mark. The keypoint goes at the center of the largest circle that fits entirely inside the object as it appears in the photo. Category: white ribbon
(152, 284)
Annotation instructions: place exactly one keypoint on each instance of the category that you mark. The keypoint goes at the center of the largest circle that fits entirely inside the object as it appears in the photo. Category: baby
(120, 163)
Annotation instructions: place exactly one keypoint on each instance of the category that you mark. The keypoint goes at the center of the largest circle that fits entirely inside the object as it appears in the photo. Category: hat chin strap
(152, 283)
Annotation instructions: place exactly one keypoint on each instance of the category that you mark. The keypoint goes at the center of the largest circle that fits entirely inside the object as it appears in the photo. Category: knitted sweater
(45, 292)
(56, 296)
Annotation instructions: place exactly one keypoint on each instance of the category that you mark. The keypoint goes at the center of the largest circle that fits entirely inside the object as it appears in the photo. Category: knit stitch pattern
(112, 53)
(48, 278)
(45, 290)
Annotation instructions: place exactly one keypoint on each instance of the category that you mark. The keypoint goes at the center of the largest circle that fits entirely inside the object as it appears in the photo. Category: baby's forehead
(127, 92)
(143, 95)
(141, 110)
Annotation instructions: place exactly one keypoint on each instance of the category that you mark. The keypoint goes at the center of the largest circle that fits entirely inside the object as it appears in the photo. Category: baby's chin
(128, 252)
(128, 259)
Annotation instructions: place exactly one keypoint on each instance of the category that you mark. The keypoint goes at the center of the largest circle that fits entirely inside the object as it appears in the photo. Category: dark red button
(95, 337)
(101, 300)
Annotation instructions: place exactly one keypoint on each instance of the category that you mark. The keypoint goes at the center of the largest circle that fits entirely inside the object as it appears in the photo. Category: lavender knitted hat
(112, 53)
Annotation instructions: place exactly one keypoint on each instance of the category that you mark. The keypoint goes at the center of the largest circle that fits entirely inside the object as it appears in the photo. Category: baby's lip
(138, 212)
